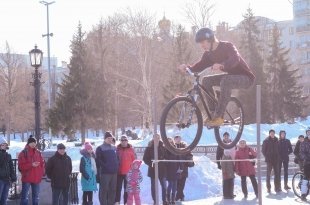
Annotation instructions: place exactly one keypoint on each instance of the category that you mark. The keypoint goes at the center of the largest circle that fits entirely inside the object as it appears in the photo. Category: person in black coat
(183, 169)
(220, 150)
(301, 138)
(285, 149)
(174, 170)
(162, 167)
(58, 169)
(270, 150)
(7, 173)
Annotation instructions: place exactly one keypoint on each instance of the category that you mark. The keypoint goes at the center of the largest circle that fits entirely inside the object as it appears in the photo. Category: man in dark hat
(107, 165)
(220, 150)
(31, 165)
(58, 169)
(270, 150)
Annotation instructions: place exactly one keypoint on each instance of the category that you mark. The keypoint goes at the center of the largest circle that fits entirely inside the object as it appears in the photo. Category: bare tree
(10, 63)
(199, 12)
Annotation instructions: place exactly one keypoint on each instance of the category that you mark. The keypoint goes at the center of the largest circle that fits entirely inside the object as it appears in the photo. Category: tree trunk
(83, 125)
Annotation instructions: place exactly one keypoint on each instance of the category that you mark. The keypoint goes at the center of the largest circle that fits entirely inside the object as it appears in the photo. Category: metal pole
(49, 67)
(155, 151)
(258, 121)
(48, 58)
(37, 82)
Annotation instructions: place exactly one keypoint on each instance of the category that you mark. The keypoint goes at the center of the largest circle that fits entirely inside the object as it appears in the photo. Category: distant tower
(164, 26)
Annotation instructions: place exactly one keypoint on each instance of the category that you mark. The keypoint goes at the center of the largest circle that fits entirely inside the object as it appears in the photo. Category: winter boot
(173, 199)
(168, 198)
(165, 203)
(303, 197)
(286, 187)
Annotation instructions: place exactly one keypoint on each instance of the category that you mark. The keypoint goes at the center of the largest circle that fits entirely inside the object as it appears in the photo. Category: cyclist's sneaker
(215, 122)
(286, 187)
(303, 197)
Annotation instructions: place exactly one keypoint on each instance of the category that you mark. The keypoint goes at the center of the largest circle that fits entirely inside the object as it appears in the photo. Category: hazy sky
(22, 22)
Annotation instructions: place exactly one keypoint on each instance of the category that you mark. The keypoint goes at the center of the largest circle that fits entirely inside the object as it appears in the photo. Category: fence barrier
(14, 191)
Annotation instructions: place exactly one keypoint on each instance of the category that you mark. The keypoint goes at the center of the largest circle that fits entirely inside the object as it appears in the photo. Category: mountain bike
(183, 116)
(296, 183)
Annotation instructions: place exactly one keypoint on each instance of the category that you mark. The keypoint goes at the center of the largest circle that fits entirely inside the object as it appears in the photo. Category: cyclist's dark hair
(282, 131)
(225, 134)
(204, 34)
(301, 136)
(270, 131)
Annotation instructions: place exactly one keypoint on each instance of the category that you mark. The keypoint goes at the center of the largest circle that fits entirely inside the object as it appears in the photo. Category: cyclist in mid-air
(222, 56)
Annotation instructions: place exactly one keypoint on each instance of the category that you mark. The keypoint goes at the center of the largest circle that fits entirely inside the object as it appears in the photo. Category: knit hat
(107, 134)
(136, 162)
(3, 141)
(124, 137)
(31, 140)
(61, 146)
(88, 146)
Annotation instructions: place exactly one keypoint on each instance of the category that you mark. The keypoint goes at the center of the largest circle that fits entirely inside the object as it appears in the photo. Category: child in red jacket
(134, 178)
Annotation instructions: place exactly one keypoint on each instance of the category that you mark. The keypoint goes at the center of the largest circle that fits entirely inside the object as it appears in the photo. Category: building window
(291, 30)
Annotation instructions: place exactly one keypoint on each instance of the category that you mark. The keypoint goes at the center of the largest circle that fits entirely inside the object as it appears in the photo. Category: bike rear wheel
(233, 124)
(181, 117)
(296, 183)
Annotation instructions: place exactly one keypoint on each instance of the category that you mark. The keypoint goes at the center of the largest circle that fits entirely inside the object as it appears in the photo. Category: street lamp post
(48, 34)
(36, 61)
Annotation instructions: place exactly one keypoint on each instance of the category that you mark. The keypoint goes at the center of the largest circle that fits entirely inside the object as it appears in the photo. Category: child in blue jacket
(89, 171)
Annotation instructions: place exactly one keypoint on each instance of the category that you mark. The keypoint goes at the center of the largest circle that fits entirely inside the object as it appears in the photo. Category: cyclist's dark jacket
(305, 151)
(270, 150)
(227, 55)
(285, 149)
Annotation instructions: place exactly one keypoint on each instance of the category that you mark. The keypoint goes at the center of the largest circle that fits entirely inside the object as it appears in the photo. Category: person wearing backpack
(7, 173)
(31, 165)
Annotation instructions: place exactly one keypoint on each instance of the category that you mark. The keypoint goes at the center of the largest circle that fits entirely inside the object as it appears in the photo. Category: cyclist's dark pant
(307, 171)
(226, 82)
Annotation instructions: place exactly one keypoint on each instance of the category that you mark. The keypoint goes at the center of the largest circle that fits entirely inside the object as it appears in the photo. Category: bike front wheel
(181, 117)
(296, 183)
(233, 124)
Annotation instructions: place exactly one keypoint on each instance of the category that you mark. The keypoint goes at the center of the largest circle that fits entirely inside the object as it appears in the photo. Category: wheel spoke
(180, 117)
(233, 124)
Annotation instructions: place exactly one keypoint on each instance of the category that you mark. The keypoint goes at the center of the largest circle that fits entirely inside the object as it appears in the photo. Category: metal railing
(14, 191)
(210, 151)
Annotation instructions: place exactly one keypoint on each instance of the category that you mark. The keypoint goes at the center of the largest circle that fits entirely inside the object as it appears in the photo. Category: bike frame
(197, 93)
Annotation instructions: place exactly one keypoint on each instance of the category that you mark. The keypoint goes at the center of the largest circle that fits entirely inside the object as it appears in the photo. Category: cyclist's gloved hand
(182, 68)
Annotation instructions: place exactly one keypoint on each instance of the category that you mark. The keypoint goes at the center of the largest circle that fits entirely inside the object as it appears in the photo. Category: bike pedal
(211, 127)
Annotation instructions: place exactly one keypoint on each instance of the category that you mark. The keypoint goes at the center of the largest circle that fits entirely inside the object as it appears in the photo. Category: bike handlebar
(188, 70)
(196, 74)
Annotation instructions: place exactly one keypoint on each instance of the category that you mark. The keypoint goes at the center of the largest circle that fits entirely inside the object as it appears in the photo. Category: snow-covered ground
(204, 185)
